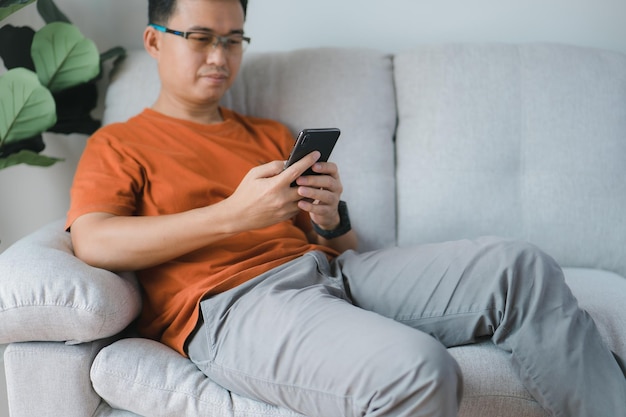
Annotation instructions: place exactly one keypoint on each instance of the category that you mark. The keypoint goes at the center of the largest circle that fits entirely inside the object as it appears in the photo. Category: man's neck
(209, 114)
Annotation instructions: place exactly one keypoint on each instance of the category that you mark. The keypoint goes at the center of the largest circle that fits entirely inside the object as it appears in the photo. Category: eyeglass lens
(203, 42)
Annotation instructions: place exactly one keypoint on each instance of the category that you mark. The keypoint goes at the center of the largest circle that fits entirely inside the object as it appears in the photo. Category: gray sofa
(440, 142)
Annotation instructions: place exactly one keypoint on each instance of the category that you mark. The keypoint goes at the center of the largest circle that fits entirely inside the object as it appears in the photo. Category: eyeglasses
(204, 41)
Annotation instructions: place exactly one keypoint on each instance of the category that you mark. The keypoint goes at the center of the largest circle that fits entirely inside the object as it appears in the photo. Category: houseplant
(50, 84)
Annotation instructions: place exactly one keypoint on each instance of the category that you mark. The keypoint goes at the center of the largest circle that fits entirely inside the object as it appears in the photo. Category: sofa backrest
(351, 89)
(523, 141)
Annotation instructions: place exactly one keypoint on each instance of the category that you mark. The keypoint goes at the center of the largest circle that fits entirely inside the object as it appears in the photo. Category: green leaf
(15, 45)
(50, 12)
(118, 53)
(8, 7)
(28, 158)
(26, 107)
(35, 144)
(63, 57)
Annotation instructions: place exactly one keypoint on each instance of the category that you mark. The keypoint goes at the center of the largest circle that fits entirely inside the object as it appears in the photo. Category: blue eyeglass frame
(221, 40)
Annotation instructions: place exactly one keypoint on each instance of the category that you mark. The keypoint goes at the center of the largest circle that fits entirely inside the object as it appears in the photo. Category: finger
(318, 210)
(324, 183)
(319, 181)
(268, 170)
(328, 168)
(320, 196)
(294, 171)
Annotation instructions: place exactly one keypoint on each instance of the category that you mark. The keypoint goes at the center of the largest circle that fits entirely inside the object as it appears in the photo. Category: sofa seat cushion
(171, 385)
(150, 379)
(47, 294)
(491, 388)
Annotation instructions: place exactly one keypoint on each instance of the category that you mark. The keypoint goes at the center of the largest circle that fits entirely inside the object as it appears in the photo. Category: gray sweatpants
(366, 334)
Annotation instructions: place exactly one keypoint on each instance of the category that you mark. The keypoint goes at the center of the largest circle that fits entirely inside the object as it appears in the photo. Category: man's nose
(217, 52)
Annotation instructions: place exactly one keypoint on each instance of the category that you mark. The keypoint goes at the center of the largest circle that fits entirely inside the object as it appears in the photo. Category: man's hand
(264, 197)
(320, 198)
(321, 194)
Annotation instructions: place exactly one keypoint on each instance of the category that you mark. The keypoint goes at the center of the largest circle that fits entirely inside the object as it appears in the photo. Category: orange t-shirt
(154, 165)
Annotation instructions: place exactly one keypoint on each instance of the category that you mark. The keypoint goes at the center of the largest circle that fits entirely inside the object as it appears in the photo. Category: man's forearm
(137, 242)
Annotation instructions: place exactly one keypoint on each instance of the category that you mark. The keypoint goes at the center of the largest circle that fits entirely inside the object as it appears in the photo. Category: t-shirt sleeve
(108, 179)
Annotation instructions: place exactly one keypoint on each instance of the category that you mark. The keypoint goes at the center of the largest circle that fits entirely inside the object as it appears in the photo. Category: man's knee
(531, 284)
(444, 381)
(424, 381)
(523, 264)
(532, 267)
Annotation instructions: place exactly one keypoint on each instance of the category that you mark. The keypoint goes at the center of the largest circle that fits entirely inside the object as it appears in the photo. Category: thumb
(271, 169)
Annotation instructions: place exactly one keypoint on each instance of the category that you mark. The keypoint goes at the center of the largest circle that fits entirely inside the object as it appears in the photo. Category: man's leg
(290, 338)
(508, 291)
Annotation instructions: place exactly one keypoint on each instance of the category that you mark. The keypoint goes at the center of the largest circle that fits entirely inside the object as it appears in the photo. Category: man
(258, 283)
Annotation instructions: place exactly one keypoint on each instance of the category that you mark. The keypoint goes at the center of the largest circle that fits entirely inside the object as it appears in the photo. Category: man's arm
(124, 243)
(117, 243)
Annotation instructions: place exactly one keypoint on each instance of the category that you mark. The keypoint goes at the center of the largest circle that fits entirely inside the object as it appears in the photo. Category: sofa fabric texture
(49, 295)
(51, 378)
(438, 143)
(525, 141)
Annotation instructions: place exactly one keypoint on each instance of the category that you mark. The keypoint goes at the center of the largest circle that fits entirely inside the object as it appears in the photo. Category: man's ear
(152, 41)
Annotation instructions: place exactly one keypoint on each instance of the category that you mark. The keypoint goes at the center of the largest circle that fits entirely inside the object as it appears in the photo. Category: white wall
(392, 25)
(387, 25)
(30, 197)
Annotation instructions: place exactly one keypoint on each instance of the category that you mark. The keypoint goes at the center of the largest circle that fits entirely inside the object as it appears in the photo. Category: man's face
(200, 77)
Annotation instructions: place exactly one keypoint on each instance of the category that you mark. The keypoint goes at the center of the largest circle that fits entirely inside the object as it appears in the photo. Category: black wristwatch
(344, 224)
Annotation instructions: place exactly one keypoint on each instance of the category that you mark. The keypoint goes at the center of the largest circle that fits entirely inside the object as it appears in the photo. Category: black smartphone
(309, 140)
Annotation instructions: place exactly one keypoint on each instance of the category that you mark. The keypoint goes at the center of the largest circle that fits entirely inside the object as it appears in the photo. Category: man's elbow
(87, 246)
(85, 251)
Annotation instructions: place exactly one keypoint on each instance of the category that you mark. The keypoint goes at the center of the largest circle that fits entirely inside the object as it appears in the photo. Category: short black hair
(160, 11)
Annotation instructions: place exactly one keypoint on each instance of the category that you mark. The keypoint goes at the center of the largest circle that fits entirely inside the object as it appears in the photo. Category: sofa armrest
(51, 379)
(47, 294)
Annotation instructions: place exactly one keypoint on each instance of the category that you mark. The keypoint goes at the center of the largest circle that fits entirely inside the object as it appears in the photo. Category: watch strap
(344, 224)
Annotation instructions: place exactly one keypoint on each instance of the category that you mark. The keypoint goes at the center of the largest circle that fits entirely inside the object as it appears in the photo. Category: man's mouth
(217, 75)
